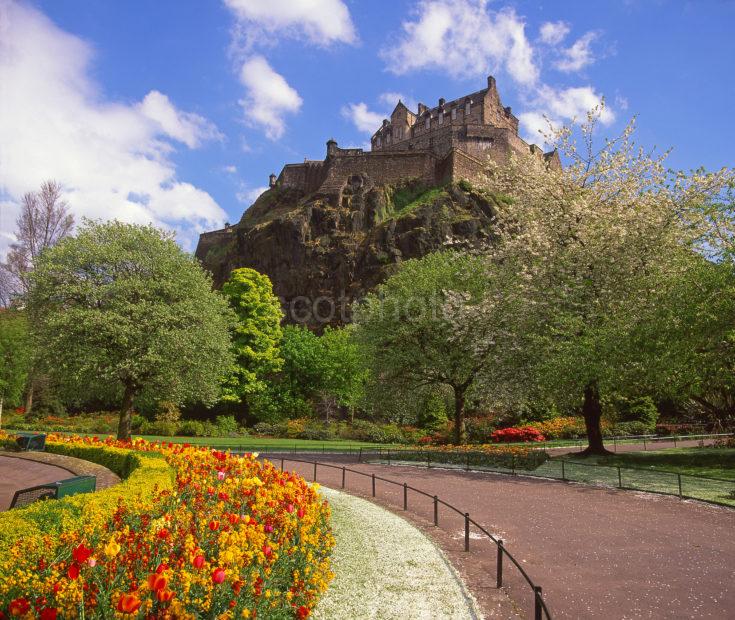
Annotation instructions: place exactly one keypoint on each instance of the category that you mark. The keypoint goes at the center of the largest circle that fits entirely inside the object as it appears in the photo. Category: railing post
(314, 471)
(675, 441)
(405, 496)
(615, 444)
(467, 462)
(359, 458)
(388, 456)
(436, 510)
(499, 570)
(620, 477)
(513, 464)
(428, 460)
(343, 476)
(466, 531)
(281, 464)
(373, 477)
(537, 606)
(644, 444)
(563, 473)
(678, 476)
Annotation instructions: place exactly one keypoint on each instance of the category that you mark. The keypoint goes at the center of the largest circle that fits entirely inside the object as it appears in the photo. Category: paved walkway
(20, 470)
(597, 552)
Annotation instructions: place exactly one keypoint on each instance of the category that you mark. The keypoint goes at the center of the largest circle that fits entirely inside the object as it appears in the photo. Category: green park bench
(54, 490)
(31, 441)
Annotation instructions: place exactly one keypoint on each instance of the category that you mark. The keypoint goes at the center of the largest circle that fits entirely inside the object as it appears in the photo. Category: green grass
(711, 462)
(407, 198)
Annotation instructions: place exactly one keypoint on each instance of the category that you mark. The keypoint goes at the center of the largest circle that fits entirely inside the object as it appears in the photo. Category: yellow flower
(112, 549)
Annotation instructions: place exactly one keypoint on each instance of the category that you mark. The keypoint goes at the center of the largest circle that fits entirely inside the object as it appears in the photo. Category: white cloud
(553, 33)
(230, 169)
(186, 127)
(268, 97)
(464, 39)
(320, 22)
(363, 119)
(560, 105)
(578, 56)
(113, 159)
(249, 195)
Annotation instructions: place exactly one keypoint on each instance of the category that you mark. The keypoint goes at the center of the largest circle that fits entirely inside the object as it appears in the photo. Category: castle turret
(272, 180)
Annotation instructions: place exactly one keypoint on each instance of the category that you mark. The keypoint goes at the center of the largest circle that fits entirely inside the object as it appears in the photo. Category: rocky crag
(322, 256)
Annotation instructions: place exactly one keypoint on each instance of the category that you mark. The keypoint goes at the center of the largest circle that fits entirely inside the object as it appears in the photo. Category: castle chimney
(442, 101)
(272, 180)
(490, 82)
(422, 108)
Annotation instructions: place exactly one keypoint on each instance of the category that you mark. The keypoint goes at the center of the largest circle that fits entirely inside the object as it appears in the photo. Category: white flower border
(387, 569)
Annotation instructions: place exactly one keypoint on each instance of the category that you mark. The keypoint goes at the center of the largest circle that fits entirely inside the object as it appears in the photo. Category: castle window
(467, 107)
(441, 118)
(428, 122)
(387, 139)
(454, 114)
(377, 142)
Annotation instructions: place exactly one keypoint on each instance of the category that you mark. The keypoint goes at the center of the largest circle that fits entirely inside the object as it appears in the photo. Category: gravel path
(597, 552)
(386, 569)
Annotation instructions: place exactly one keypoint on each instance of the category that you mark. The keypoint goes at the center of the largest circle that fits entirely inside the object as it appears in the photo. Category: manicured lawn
(712, 462)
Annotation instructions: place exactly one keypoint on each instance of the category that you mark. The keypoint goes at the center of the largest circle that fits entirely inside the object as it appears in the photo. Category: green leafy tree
(256, 336)
(420, 329)
(120, 311)
(15, 357)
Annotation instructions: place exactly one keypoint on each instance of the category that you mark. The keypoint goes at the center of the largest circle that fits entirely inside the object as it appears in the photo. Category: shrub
(136, 422)
(319, 432)
(433, 416)
(160, 429)
(561, 428)
(478, 430)
(484, 455)
(632, 428)
(191, 428)
(227, 425)
(641, 410)
(517, 434)
(167, 411)
(198, 551)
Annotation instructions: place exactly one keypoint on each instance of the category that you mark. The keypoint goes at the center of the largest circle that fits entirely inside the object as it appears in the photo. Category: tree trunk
(126, 414)
(459, 404)
(592, 412)
(29, 397)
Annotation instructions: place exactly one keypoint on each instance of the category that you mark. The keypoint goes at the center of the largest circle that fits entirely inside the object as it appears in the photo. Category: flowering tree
(121, 311)
(593, 241)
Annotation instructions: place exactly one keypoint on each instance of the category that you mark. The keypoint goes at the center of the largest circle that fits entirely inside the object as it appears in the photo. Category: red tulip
(49, 613)
(198, 561)
(81, 553)
(73, 571)
(213, 525)
(19, 607)
(218, 576)
(164, 596)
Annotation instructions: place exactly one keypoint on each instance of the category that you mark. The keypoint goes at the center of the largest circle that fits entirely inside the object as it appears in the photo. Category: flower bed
(516, 435)
(216, 535)
(469, 455)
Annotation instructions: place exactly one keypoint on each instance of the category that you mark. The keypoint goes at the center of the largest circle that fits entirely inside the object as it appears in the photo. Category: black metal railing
(540, 609)
(711, 489)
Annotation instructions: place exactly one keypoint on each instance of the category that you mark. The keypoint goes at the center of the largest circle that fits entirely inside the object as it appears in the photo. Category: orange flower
(156, 582)
(164, 596)
(128, 603)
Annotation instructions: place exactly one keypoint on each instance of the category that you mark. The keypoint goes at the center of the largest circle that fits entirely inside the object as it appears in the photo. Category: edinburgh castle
(327, 231)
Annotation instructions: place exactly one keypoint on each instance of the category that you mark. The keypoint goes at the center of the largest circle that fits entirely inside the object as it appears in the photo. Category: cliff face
(322, 256)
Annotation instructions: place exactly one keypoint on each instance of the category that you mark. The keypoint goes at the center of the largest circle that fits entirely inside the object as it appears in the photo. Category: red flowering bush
(520, 434)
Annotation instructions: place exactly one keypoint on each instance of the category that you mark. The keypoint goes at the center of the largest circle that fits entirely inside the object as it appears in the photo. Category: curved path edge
(597, 552)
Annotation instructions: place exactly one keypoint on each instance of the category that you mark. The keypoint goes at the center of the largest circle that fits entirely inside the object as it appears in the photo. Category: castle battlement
(451, 141)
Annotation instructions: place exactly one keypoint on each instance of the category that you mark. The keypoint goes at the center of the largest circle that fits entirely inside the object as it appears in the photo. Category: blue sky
(175, 112)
